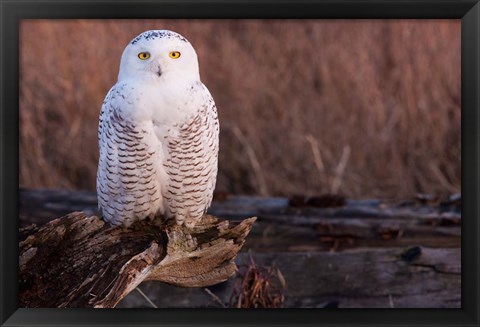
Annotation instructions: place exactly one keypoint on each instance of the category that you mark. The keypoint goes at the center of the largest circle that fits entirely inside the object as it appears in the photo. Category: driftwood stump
(80, 261)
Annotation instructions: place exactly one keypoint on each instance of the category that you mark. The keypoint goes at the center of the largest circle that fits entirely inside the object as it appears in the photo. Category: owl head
(159, 55)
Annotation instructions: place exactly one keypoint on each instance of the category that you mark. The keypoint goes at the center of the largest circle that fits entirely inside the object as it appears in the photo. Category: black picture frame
(13, 11)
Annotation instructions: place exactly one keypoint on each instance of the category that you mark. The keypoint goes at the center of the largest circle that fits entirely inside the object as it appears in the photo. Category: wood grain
(81, 261)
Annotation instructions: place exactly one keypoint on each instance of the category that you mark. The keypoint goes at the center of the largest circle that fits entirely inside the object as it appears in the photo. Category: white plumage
(158, 135)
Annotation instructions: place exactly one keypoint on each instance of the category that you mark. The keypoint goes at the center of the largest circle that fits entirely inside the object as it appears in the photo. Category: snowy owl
(158, 135)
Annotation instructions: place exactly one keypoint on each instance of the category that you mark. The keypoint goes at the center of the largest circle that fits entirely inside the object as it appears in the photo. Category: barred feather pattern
(192, 165)
(127, 186)
(144, 173)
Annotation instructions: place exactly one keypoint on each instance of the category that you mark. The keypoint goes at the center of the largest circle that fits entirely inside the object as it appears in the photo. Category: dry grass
(364, 108)
(258, 287)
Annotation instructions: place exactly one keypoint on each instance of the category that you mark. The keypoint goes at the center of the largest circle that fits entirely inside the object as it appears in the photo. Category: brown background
(365, 108)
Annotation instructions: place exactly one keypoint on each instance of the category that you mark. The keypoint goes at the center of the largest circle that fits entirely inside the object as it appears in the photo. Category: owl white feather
(158, 135)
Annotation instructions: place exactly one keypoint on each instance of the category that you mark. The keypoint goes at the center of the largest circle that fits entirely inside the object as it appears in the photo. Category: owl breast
(128, 186)
(154, 166)
(191, 165)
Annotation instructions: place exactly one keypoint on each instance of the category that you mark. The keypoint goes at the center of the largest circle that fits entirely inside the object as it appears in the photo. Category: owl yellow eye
(174, 54)
(143, 55)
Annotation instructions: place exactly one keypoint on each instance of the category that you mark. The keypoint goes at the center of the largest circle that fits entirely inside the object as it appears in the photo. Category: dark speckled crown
(155, 34)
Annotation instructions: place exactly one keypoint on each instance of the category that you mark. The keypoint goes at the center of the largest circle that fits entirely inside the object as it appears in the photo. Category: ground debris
(258, 287)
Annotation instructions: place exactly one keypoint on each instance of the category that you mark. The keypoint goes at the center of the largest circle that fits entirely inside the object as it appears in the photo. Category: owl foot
(191, 222)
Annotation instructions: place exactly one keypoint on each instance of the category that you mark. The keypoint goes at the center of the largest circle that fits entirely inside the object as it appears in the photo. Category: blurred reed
(364, 108)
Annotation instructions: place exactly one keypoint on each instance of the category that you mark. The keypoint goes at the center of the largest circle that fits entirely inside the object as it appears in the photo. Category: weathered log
(373, 261)
(81, 261)
(411, 277)
(283, 228)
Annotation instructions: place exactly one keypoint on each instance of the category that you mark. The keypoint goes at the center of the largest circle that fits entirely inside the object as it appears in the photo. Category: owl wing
(127, 185)
(192, 161)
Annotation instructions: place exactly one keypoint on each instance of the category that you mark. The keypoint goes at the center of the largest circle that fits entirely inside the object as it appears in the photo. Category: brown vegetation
(258, 287)
(364, 108)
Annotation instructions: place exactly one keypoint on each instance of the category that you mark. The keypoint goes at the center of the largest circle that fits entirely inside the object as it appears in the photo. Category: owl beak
(159, 71)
